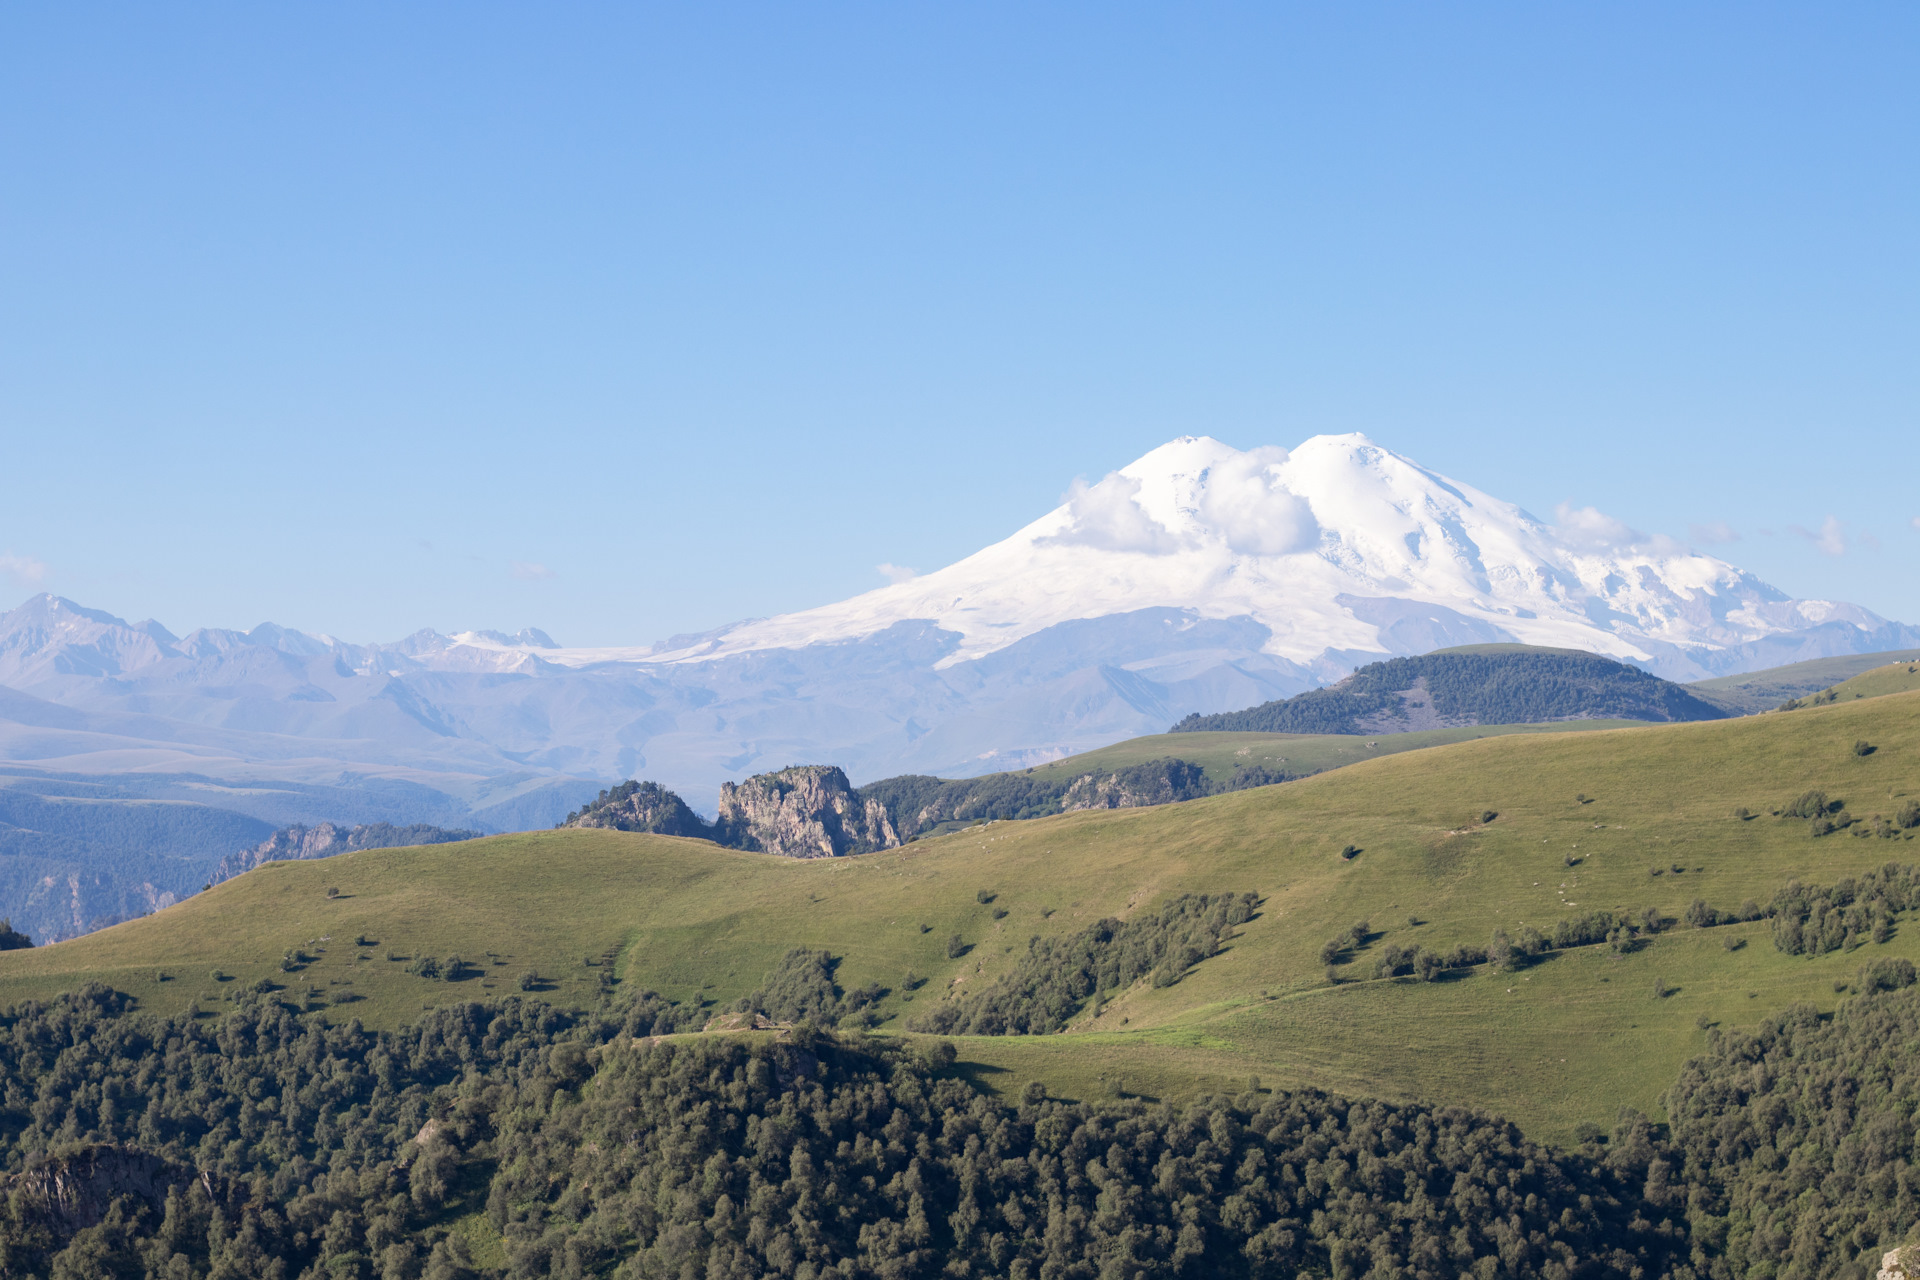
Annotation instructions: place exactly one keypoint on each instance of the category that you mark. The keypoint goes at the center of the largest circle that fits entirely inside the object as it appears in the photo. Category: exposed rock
(807, 811)
(641, 806)
(1414, 714)
(298, 843)
(70, 1193)
(1900, 1264)
(1155, 782)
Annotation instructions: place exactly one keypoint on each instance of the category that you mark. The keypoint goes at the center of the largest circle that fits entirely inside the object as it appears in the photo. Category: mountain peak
(1337, 546)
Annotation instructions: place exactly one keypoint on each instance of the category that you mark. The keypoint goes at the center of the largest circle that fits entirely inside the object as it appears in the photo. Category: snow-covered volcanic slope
(1339, 548)
(1200, 578)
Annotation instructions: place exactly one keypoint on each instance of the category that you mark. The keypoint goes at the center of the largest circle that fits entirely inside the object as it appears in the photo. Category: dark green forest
(263, 1143)
(1473, 688)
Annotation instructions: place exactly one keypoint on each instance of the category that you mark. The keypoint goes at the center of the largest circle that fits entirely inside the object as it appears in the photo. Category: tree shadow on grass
(978, 1074)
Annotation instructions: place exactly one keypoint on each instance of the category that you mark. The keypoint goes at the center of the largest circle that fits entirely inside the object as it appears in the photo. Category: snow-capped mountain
(1339, 548)
(1199, 578)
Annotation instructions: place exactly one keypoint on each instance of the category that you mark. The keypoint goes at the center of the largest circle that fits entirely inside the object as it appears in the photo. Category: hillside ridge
(1451, 688)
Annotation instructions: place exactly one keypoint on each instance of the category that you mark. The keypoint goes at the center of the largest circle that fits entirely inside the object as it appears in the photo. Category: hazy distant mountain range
(1199, 579)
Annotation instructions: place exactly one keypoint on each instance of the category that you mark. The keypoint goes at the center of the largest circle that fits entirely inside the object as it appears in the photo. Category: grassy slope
(1765, 690)
(1897, 677)
(1567, 1042)
(1220, 753)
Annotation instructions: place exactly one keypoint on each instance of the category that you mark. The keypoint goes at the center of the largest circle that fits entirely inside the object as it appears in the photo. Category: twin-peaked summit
(1200, 578)
(1338, 549)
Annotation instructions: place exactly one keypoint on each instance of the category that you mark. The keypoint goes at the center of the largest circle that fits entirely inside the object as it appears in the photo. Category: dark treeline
(1472, 688)
(919, 804)
(1057, 976)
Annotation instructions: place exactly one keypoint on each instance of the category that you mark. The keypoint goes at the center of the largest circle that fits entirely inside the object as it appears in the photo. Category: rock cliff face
(808, 811)
(324, 841)
(70, 1194)
(1155, 782)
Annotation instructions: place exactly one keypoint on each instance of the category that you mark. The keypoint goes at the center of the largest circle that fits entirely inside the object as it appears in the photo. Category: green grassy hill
(1895, 677)
(1567, 1041)
(1219, 753)
(1759, 691)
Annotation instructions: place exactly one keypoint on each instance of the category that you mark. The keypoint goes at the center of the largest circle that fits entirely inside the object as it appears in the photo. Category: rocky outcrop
(641, 806)
(70, 1193)
(298, 843)
(1155, 782)
(808, 811)
(1900, 1264)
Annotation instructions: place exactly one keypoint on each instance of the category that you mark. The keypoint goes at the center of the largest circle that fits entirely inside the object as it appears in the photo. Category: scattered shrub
(1350, 852)
(999, 913)
(1810, 804)
(984, 896)
(1057, 975)
(1909, 815)
(1813, 921)
(1487, 816)
(1864, 748)
(956, 947)
(1890, 973)
(1743, 813)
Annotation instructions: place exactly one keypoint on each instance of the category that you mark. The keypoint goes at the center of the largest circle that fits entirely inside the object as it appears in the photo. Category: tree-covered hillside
(515, 1139)
(1493, 684)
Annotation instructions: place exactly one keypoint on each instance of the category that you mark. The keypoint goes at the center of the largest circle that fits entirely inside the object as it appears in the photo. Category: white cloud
(1710, 535)
(1590, 529)
(529, 571)
(22, 571)
(897, 573)
(1108, 515)
(1829, 539)
(1252, 512)
(1916, 522)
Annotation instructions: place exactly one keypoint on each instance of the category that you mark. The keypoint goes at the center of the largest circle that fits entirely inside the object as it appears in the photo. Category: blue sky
(628, 320)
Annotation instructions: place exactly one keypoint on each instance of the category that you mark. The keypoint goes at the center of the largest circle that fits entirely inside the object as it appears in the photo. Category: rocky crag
(299, 843)
(812, 811)
(640, 806)
(807, 811)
